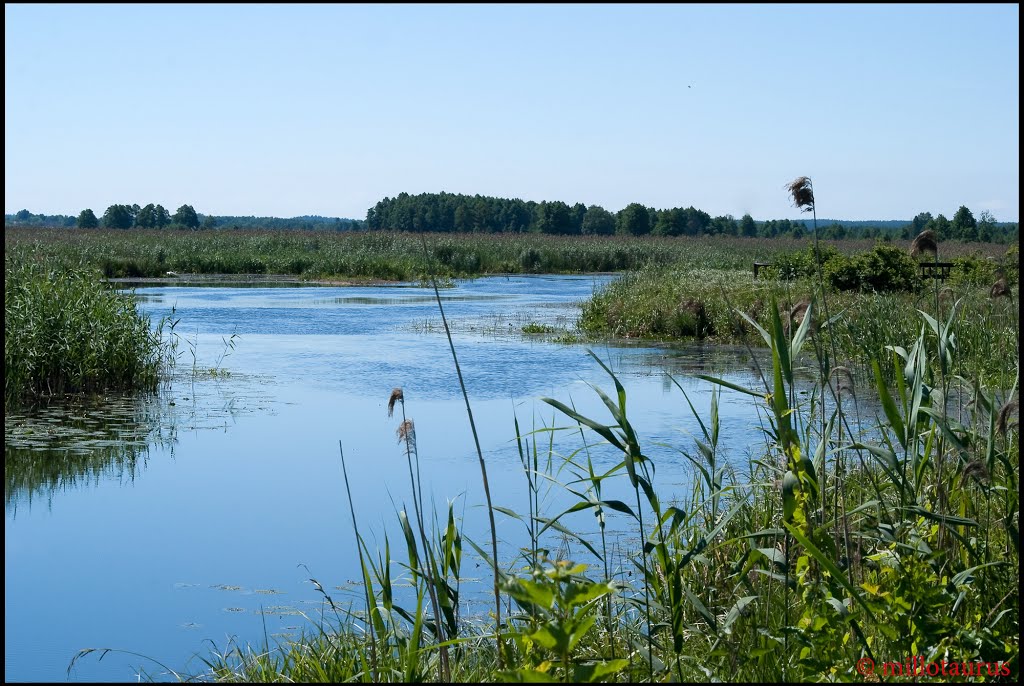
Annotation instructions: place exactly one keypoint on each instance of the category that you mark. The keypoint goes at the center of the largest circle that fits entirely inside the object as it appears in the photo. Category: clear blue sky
(286, 110)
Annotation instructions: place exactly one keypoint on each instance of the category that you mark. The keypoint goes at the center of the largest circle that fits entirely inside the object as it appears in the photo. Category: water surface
(201, 514)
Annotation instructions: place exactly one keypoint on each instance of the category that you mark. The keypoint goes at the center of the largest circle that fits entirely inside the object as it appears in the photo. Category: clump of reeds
(67, 332)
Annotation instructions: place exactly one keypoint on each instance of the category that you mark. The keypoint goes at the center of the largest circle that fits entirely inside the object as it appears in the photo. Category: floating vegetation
(279, 611)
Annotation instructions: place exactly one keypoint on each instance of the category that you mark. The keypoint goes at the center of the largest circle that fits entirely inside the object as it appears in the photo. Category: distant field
(399, 256)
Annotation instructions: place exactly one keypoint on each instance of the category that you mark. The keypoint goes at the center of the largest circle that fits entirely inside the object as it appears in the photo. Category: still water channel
(166, 526)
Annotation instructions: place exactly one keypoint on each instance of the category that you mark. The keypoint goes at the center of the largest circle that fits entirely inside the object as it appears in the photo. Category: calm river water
(166, 526)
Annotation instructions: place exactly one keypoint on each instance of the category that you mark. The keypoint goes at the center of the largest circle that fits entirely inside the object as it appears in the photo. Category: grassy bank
(66, 332)
(393, 255)
(686, 302)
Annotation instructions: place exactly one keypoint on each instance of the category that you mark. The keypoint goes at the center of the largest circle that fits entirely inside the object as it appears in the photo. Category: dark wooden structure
(935, 270)
(758, 266)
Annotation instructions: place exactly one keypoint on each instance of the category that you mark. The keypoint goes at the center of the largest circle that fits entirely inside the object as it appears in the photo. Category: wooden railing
(935, 270)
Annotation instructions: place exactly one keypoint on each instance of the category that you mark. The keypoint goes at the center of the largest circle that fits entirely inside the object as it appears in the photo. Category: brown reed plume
(978, 470)
(396, 395)
(1003, 419)
(1000, 289)
(844, 380)
(406, 433)
(802, 192)
(924, 242)
(797, 314)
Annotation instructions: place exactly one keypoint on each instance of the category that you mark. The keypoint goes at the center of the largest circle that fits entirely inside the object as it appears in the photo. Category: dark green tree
(633, 220)
(725, 225)
(161, 217)
(187, 217)
(146, 218)
(576, 215)
(920, 223)
(598, 222)
(87, 220)
(554, 217)
(463, 219)
(986, 226)
(964, 226)
(697, 221)
(941, 227)
(748, 227)
(118, 217)
(23, 215)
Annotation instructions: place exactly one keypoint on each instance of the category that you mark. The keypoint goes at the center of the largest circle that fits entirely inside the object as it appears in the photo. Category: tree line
(132, 216)
(155, 216)
(449, 212)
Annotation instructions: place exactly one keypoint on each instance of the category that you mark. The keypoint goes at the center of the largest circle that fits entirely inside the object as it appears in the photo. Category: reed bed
(392, 255)
(687, 303)
(66, 332)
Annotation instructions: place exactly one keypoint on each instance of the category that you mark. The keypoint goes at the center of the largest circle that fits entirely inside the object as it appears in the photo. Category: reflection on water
(409, 300)
(69, 445)
(76, 443)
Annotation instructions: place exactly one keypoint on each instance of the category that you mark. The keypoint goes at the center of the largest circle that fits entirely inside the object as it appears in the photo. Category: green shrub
(884, 268)
(887, 268)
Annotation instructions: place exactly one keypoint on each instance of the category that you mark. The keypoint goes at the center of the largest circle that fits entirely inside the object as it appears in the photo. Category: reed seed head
(844, 380)
(396, 395)
(802, 192)
(406, 432)
(978, 470)
(924, 242)
(795, 317)
(1005, 416)
(1000, 289)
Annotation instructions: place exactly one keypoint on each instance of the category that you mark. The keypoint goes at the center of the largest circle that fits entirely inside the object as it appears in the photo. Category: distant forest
(450, 212)
(156, 217)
